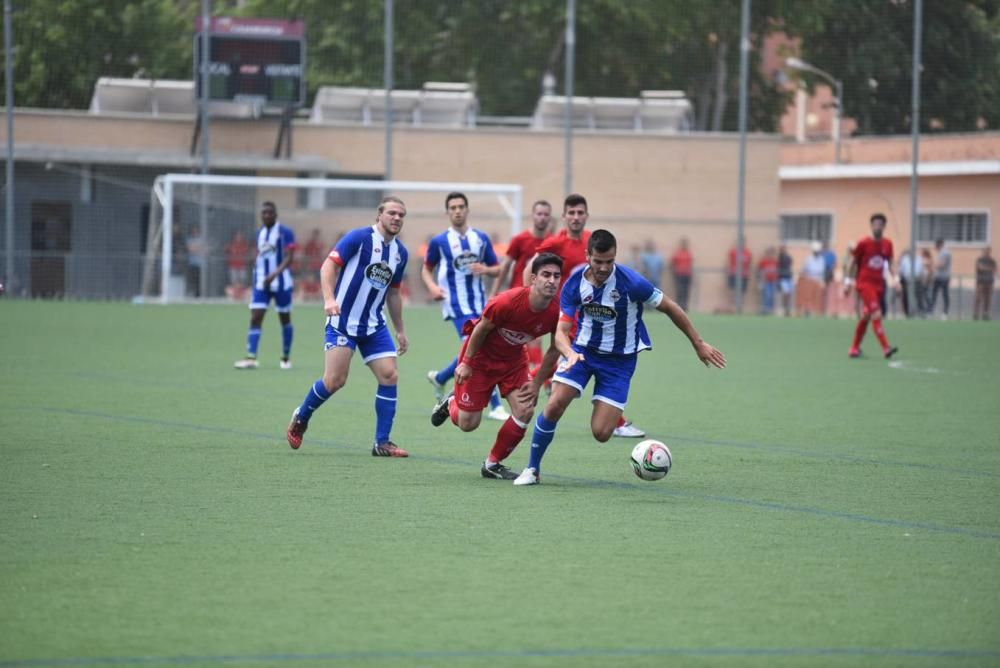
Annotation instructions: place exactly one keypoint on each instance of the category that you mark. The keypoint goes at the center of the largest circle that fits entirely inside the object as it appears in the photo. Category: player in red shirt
(571, 245)
(524, 246)
(872, 257)
(494, 356)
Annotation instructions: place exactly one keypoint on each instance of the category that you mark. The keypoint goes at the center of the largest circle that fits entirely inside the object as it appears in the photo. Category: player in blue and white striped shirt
(272, 279)
(361, 274)
(605, 302)
(453, 272)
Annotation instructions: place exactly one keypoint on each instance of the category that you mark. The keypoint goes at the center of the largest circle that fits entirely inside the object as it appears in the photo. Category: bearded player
(871, 260)
(495, 356)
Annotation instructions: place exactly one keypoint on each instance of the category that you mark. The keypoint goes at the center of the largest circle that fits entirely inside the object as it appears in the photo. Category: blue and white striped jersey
(369, 266)
(609, 317)
(453, 253)
(273, 244)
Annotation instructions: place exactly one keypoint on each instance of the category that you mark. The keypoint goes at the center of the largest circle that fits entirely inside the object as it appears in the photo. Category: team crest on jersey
(600, 312)
(379, 275)
(515, 338)
(463, 260)
(615, 295)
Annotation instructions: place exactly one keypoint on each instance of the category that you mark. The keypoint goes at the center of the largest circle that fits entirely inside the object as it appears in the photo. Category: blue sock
(385, 412)
(286, 339)
(315, 397)
(447, 373)
(495, 398)
(540, 439)
(253, 340)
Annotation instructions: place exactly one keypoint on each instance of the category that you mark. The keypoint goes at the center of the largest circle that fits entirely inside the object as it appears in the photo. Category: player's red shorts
(870, 295)
(474, 394)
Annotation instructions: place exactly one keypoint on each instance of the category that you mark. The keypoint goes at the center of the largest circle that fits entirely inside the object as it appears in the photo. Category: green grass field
(821, 511)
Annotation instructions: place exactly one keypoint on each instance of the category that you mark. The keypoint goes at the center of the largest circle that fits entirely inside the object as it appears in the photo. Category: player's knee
(468, 421)
(389, 377)
(334, 382)
(524, 415)
(603, 434)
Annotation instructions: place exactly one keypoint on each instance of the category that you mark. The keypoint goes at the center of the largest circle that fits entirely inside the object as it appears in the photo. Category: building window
(955, 226)
(806, 226)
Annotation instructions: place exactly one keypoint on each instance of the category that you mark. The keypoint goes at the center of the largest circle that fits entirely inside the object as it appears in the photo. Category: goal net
(203, 228)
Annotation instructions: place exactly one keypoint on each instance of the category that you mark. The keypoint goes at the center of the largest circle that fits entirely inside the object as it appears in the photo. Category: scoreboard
(260, 61)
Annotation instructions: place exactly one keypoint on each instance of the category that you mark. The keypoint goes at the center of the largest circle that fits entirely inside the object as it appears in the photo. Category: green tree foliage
(64, 46)
(868, 44)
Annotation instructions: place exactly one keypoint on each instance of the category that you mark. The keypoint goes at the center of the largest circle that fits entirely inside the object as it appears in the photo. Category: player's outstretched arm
(562, 342)
(327, 280)
(526, 274)
(709, 355)
(394, 302)
(476, 339)
(501, 276)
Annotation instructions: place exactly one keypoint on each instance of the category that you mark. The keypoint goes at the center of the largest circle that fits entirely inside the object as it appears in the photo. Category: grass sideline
(822, 511)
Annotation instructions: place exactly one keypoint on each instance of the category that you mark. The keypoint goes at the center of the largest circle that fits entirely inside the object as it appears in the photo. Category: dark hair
(574, 200)
(269, 203)
(544, 259)
(878, 216)
(540, 202)
(601, 241)
(455, 195)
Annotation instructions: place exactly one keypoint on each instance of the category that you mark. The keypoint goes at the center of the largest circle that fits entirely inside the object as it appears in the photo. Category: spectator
(830, 268)
(942, 278)
(747, 262)
(809, 294)
(907, 270)
(924, 280)
(237, 262)
(314, 253)
(682, 266)
(651, 263)
(196, 250)
(785, 274)
(986, 273)
(767, 278)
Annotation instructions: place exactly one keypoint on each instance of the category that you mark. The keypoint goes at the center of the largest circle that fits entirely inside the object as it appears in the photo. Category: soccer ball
(651, 460)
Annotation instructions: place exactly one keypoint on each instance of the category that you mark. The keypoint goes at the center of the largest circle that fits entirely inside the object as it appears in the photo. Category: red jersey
(872, 256)
(747, 258)
(516, 324)
(768, 268)
(572, 251)
(521, 249)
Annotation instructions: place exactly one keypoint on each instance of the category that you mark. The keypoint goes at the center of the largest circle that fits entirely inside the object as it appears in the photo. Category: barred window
(806, 226)
(957, 227)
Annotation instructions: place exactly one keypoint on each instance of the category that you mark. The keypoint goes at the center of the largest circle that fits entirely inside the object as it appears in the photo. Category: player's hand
(478, 268)
(463, 372)
(437, 294)
(267, 280)
(568, 361)
(710, 356)
(402, 343)
(331, 307)
(847, 286)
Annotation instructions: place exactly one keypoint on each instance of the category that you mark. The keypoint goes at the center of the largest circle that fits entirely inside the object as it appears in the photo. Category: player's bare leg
(603, 420)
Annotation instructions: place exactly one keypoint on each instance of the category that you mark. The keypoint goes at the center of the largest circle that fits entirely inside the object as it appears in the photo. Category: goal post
(196, 223)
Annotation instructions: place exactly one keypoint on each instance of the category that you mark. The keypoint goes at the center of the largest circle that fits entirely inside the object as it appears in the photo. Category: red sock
(453, 411)
(859, 332)
(621, 421)
(880, 333)
(508, 436)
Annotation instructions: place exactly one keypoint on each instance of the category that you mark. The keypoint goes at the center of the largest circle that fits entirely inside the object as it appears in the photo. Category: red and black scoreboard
(261, 61)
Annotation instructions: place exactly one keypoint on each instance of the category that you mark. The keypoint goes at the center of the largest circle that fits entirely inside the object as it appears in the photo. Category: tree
(868, 44)
(64, 46)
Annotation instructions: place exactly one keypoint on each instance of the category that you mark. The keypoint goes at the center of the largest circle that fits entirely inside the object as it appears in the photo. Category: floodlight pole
(206, 56)
(8, 49)
(918, 18)
(387, 76)
(568, 120)
(741, 197)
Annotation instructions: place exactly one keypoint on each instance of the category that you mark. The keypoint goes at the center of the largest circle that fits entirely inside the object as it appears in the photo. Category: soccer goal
(202, 228)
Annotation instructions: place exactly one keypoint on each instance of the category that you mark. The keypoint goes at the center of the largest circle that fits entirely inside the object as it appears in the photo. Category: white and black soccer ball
(651, 460)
